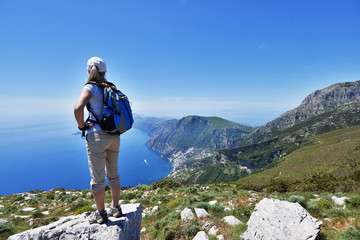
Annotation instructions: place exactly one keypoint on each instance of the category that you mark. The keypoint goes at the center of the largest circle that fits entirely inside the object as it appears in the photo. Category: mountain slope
(316, 103)
(336, 152)
(264, 154)
(196, 137)
(238, 162)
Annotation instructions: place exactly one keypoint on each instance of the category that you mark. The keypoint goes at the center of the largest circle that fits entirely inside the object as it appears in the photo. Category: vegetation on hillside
(198, 132)
(163, 201)
(336, 153)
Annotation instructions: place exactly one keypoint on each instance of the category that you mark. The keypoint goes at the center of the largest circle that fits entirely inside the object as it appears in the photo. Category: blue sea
(47, 156)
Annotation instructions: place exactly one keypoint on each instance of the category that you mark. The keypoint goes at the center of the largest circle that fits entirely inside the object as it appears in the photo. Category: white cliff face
(77, 227)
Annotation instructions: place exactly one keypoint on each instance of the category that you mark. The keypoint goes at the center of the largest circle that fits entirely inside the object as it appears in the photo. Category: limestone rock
(212, 202)
(206, 225)
(213, 230)
(339, 201)
(231, 220)
(77, 227)
(154, 209)
(187, 215)
(201, 236)
(28, 209)
(200, 213)
(275, 219)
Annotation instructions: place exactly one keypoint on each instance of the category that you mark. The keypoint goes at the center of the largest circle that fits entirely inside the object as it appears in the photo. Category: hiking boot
(115, 212)
(98, 217)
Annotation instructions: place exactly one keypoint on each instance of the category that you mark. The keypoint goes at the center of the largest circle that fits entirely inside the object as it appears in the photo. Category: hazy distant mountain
(152, 125)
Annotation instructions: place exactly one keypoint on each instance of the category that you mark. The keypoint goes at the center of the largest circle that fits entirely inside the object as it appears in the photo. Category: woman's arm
(84, 98)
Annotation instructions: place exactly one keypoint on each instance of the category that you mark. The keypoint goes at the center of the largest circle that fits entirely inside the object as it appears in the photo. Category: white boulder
(213, 230)
(154, 209)
(339, 201)
(275, 219)
(201, 236)
(212, 202)
(231, 220)
(200, 213)
(187, 215)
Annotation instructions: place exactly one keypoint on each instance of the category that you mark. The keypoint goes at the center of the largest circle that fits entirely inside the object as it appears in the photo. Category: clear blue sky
(247, 61)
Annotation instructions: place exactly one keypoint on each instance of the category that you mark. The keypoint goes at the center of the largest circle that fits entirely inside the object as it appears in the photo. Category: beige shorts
(103, 152)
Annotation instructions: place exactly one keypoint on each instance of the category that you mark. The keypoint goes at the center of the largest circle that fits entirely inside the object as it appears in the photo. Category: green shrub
(19, 198)
(84, 209)
(191, 190)
(37, 214)
(312, 207)
(297, 199)
(353, 202)
(174, 203)
(70, 198)
(79, 204)
(350, 234)
(217, 208)
(10, 209)
(338, 213)
(192, 229)
(60, 196)
(165, 183)
(192, 200)
(142, 187)
(162, 191)
(46, 221)
(241, 212)
(50, 195)
(34, 200)
(203, 205)
(6, 227)
(156, 198)
(277, 185)
(323, 204)
(129, 196)
(204, 197)
(232, 191)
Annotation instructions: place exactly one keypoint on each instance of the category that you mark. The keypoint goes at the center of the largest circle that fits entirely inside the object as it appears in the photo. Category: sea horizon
(49, 156)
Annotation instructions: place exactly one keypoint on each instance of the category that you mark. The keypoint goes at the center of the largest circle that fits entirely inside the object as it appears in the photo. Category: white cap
(97, 62)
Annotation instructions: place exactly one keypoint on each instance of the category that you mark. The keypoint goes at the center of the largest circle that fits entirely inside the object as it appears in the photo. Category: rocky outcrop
(275, 219)
(316, 103)
(77, 227)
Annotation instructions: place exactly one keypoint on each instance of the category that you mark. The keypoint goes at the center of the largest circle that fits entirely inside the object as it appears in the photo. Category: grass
(336, 154)
(165, 223)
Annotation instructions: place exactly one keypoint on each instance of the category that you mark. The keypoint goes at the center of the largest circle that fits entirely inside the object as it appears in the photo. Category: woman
(102, 148)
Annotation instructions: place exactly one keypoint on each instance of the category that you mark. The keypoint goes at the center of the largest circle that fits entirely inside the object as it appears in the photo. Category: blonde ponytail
(99, 78)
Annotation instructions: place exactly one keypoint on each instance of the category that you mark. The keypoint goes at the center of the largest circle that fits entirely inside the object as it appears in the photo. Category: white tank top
(96, 103)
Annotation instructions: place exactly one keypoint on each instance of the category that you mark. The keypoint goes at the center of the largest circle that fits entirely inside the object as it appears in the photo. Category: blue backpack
(117, 114)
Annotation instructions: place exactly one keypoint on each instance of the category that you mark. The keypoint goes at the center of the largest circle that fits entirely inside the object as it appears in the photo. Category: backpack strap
(88, 107)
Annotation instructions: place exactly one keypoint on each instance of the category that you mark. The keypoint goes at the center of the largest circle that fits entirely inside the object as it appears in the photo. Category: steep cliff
(316, 103)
